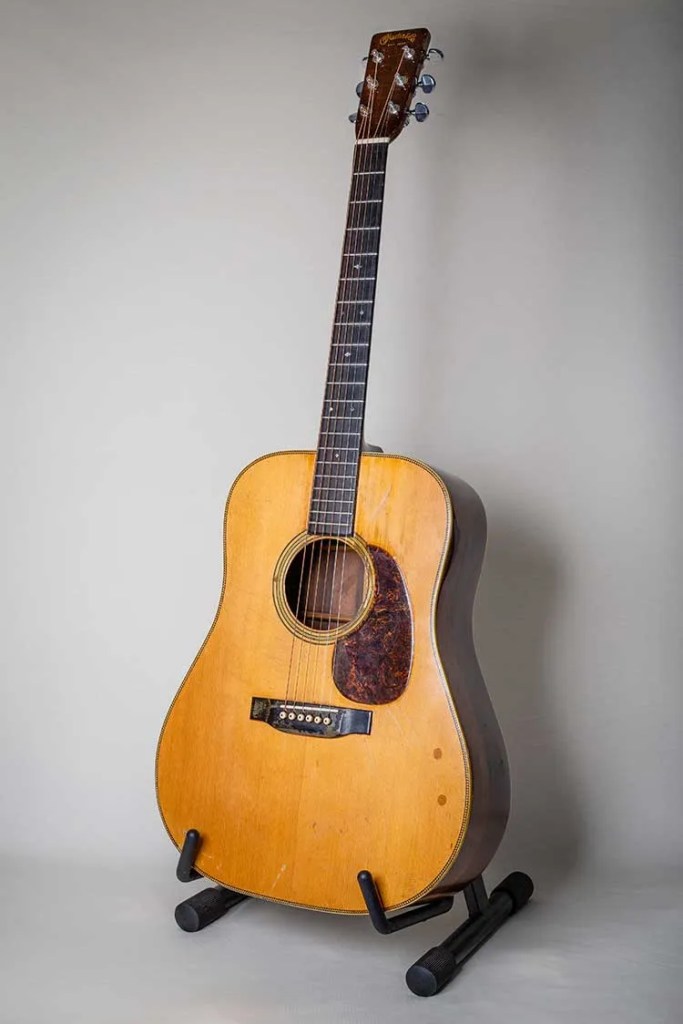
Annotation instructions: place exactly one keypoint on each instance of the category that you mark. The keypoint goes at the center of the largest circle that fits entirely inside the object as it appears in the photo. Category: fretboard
(333, 499)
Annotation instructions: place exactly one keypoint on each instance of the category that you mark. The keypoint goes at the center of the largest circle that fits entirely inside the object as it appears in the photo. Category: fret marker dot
(346, 355)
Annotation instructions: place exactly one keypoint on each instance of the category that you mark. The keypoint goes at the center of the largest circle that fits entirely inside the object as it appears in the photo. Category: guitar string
(375, 159)
(381, 127)
(308, 550)
(341, 422)
(324, 553)
(294, 636)
(315, 504)
(363, 192)
(339, 337)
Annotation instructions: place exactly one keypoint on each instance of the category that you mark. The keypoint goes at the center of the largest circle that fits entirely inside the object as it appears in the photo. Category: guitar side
(490, 775)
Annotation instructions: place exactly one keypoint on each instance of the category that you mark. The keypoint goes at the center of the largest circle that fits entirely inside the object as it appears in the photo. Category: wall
(173, 197)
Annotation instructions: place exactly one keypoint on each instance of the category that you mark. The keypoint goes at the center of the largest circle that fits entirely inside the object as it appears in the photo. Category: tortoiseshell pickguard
(372, 664)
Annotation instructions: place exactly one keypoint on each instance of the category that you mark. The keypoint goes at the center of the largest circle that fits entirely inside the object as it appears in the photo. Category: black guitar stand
(435, 968)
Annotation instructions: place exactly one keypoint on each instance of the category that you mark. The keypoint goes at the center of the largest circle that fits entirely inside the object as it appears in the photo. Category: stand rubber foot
(205, 907)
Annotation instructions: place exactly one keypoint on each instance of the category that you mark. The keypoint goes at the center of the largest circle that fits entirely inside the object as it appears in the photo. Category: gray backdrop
(173, 194)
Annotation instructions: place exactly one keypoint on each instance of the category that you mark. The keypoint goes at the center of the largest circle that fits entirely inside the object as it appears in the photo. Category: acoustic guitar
(335, 719)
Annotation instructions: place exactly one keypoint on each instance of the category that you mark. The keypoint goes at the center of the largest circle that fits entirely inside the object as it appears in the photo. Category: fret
(357, 174)
(330, 514)
(361, 254)
(344, 491)
(327, 462)
(329, 522)
(357, 279)
(323, 509)
(358, 290)
(349, 482)
(337, 448)
(321, 486)
(330, 461)
(341, 433)
(338, 526)
(363, 202)
(363, 229)
(340, 476)
(340, 466)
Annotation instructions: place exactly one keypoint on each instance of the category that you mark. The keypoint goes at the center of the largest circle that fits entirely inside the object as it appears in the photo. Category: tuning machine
(420, 112)
(427, 83)
(434, 54)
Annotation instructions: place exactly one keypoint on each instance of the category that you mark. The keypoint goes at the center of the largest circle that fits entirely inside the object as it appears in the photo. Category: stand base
(435, 968)
(439, 965)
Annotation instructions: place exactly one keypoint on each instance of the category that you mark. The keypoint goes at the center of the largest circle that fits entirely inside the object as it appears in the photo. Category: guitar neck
(340, 441)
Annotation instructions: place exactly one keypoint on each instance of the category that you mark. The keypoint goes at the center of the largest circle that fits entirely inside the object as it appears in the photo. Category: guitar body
(417, 790)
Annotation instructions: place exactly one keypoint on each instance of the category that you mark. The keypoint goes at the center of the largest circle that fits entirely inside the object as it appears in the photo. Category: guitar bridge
(310, 719)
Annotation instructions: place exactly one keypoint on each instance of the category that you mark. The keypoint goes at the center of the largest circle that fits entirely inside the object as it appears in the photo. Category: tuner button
(420, 112)
(353, 118)
(359, 89)
(427, 83)
(434, 53)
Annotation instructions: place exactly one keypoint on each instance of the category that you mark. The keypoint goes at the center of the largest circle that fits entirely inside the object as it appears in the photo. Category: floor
(100, 946)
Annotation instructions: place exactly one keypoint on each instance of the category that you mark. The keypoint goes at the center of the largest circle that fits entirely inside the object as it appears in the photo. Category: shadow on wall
(529, 70)
(517, 601)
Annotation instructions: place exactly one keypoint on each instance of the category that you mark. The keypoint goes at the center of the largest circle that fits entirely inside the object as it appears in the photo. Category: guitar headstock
(392, 74)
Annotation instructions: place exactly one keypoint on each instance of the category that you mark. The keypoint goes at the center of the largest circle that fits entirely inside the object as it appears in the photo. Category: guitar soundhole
(326, 585)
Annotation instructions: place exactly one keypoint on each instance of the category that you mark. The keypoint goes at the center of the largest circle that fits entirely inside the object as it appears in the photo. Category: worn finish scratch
(382, 503)
(279, 875)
